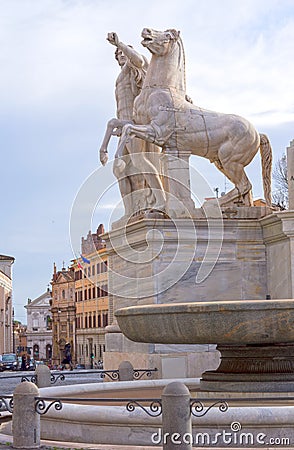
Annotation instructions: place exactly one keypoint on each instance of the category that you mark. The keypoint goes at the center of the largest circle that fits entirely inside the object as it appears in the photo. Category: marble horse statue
(162, 115)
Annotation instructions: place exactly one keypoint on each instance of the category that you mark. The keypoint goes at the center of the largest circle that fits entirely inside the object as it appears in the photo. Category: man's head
(120, 57)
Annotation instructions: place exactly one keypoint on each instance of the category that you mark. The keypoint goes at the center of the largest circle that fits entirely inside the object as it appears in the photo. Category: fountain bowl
(223, 322)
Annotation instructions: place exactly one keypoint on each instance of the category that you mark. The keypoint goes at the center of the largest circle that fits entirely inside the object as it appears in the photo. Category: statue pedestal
(157, 261)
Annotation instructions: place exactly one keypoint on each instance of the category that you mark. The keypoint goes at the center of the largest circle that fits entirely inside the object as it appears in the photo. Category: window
(36, 351)
(63, 294)
(105, 320)
(94, 292)
(48, 322)
(93, 270)
(104, 292)
(48, 351)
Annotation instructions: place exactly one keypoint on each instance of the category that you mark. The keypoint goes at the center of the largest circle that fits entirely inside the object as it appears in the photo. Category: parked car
(9, 362)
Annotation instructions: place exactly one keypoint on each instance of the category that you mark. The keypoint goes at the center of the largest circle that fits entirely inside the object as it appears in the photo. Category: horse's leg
(235, 172)
(145, 132)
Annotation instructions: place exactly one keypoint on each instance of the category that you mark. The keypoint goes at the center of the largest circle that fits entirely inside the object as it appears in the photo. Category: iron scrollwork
(112, 374)
(198, 410)
(32, 379)
(56, 377)
(41, 407)
(139, 373)
(6, 404)
(155, 407)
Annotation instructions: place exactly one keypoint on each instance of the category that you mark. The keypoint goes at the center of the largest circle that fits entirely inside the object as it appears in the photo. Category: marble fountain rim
(206, 306)
(237, 322)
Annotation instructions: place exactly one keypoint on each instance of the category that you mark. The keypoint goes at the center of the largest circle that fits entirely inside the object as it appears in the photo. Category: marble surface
(232, 322)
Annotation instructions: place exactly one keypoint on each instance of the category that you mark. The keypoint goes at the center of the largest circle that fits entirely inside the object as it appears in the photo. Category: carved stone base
(264, 368)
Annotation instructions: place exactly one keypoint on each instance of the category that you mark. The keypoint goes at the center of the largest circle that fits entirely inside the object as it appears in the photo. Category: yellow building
(6, 310)
(63, 311)
(91, 299)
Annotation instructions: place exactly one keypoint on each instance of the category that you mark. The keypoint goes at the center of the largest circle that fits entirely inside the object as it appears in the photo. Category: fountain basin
(228, 322)
(255, 339)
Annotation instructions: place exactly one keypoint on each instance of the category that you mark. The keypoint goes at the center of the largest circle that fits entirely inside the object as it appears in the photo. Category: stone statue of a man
(139, 178)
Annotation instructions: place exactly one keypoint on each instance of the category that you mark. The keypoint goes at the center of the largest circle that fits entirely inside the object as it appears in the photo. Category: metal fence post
(43, 376)
(176, 417)
(25, 420)
(126, 371)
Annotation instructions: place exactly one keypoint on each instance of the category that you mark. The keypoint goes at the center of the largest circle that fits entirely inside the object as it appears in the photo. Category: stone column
(25, 420)
(176, 173)
(43, 376)
(176, 417)
(126, 371)
(290, 173)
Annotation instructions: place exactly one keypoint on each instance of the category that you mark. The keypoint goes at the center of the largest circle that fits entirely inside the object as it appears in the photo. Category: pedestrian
(23, 362)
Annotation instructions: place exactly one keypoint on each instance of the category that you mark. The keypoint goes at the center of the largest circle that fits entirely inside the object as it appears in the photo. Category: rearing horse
(162, 115)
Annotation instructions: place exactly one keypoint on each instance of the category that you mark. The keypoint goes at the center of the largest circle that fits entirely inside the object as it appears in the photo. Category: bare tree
(280, 194)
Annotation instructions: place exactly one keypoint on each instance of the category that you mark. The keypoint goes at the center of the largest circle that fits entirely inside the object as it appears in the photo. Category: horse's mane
(175, 36)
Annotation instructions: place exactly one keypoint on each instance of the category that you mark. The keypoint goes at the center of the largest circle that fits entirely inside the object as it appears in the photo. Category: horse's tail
(266, 166)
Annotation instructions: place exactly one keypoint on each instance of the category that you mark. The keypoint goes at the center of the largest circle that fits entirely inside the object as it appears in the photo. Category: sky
(57, 93)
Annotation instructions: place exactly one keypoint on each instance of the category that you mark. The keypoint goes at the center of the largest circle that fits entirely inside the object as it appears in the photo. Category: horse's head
(159, 42)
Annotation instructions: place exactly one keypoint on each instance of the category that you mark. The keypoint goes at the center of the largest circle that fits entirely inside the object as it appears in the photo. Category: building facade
(39, 332)
(63, 311)
(79, 304)
(20, 338)
(91, 298)
(6, 309)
